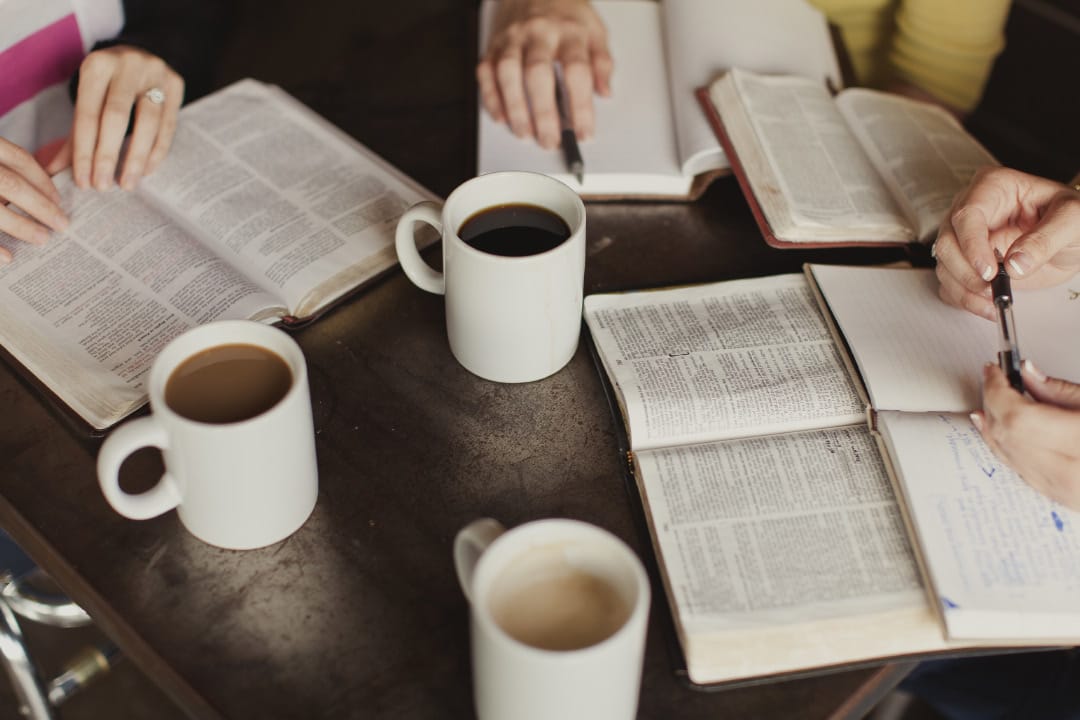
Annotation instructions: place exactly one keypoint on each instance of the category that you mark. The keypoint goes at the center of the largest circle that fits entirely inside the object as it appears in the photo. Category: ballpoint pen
(570, 150)
(1008, 350)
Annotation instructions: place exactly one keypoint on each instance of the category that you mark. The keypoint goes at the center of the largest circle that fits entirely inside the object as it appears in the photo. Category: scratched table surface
(359, 613)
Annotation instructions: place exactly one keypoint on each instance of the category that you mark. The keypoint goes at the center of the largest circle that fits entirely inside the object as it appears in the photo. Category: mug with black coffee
(231, 413)
(513, 248)
(558, 612)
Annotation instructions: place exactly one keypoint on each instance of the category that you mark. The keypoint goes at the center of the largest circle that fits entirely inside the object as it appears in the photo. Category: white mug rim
(513, 540)
(159, 376)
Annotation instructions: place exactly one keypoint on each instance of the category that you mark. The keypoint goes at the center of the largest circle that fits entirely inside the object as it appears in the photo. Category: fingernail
(128, 182)
(5, 260)
(61, 222)
(1020, 263)
(82, 180)
(977, 421)
(988, 272)
(103, 178)
(1034, 371)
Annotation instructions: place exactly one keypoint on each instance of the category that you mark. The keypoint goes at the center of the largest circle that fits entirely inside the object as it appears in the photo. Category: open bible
(651, 138)
(263, 211)
(863, 168)
(812, 508)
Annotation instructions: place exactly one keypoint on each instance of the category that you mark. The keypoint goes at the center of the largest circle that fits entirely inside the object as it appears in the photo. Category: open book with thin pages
(263, 210)
(862, 168)
(815, 493)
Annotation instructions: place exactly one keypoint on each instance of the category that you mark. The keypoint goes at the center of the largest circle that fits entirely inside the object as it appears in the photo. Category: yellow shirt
(945, 47)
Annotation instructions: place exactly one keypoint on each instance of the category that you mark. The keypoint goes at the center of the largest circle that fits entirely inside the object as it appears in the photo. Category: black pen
(1008, 350)
(570, 150)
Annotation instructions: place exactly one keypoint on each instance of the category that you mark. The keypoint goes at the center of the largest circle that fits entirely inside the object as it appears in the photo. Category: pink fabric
(41, 60)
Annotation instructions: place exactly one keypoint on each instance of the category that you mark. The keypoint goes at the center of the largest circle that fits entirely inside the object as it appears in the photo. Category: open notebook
(652, 139)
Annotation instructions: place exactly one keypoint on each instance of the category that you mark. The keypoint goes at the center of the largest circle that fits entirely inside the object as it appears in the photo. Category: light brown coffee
(228, 383)
(564, 611)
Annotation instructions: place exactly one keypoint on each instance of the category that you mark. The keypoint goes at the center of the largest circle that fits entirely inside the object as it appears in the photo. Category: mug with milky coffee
(232, 417)
(513, 273)
(558, 615)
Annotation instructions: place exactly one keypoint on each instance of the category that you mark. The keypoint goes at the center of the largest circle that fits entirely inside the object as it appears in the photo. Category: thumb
(1053, 391)
(1055, 231)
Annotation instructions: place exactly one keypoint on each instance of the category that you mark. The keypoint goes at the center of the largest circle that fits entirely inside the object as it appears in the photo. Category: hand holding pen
(516, 74)
(1033, 221)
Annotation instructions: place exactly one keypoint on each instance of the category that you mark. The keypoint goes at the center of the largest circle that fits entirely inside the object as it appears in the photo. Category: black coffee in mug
(514, 230)
(228, 383)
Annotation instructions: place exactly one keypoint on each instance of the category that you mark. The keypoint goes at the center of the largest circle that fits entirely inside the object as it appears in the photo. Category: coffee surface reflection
(228, 384)
(514, 230)
(564, 611)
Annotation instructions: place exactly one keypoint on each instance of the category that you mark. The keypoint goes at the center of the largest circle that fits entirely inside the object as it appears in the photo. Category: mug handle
(423, 275)
(470, 543)
(164, 496)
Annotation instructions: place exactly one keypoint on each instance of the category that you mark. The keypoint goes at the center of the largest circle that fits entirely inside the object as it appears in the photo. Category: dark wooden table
(359, 613)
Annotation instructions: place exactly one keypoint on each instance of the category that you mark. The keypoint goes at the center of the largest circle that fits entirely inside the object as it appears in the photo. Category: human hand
(1036, 437)
(26, 185)
(112, 81)
(1032, 221)
(517, 72)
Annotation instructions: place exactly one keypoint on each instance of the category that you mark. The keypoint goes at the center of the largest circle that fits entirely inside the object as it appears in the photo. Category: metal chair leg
(25, 597)
(33, 699)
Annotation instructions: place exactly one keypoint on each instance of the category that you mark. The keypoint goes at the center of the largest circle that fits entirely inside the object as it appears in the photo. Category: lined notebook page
(915, 353)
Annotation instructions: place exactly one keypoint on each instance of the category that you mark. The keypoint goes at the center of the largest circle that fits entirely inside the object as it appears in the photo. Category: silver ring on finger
(155, 95)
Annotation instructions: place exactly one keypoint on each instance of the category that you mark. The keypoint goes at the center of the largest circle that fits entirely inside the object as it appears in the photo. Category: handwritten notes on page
(1003, 559)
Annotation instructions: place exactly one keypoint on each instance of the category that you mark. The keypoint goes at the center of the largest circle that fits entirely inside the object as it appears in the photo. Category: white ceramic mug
(236, 485)
(515, 679)
(508, 319)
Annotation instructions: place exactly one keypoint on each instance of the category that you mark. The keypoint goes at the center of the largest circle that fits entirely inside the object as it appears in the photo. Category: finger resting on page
(577, 72)
(143, 135)
(23, 168)
(94, 76)
(508, 72)
(489, 91)
(22, 227)
(115, 116)
(174, 98)
(40, 208)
